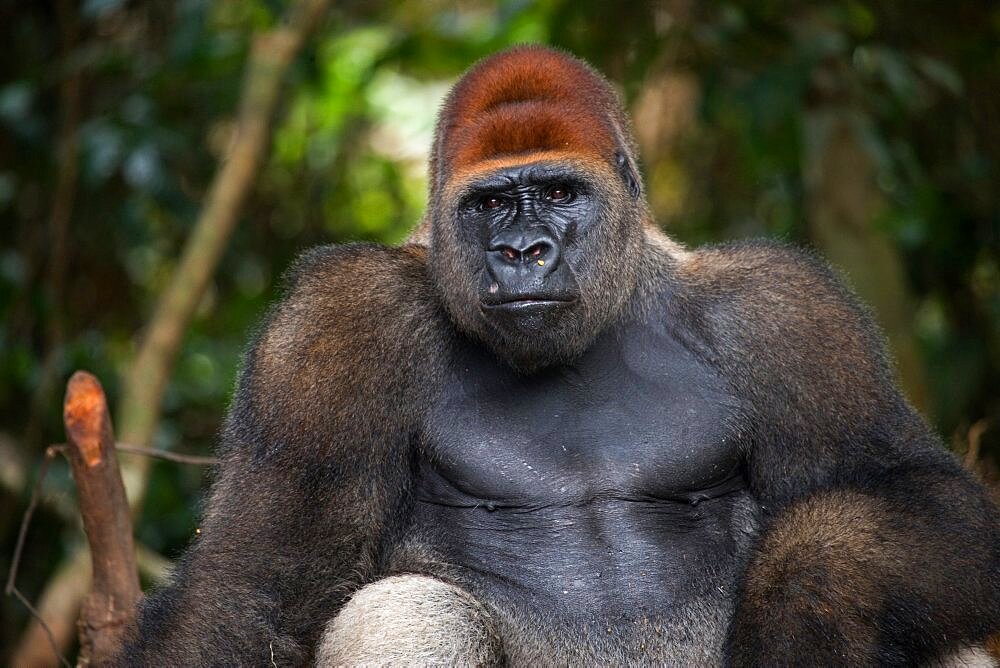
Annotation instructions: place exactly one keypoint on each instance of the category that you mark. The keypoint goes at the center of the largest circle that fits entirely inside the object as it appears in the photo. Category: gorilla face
(526, 219)
(535, 259)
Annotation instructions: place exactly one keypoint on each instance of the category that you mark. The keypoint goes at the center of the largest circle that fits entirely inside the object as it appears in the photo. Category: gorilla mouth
(527, 303)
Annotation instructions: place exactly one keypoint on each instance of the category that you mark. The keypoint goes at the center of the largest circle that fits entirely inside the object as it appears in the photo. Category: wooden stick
(110, 606)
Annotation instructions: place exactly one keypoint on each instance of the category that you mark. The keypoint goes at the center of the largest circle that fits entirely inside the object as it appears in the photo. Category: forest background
(868, 131)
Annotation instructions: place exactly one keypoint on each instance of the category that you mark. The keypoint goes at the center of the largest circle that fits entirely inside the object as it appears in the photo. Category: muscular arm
(878, 548)
(315, 468)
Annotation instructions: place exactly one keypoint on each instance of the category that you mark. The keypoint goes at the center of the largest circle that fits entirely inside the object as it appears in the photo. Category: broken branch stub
(110, 605)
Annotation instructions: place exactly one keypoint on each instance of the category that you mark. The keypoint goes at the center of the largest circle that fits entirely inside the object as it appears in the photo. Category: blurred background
(869, 131)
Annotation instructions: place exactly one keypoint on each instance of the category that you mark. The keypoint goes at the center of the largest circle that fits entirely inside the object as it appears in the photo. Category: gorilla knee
(407, 620)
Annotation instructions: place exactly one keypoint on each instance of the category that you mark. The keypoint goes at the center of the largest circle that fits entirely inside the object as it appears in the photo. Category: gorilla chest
(614, 481)
(638, 417)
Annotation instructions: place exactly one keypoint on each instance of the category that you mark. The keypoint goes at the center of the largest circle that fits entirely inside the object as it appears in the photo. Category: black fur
(760, 494)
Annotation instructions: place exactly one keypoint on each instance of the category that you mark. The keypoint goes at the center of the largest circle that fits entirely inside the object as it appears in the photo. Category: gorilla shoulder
(339, 326)
(804, 355)
(762, 292)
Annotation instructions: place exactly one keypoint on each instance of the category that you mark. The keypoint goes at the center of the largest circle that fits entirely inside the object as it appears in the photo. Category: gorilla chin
(531, 332)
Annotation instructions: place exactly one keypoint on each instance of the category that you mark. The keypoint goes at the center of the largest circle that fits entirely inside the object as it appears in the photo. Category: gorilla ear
(628, 174)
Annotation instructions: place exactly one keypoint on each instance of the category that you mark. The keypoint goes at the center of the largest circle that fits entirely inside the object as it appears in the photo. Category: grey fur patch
(410, 620)
(970, 657)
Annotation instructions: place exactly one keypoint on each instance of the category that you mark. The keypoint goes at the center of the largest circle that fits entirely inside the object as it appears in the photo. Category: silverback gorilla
(541, 432)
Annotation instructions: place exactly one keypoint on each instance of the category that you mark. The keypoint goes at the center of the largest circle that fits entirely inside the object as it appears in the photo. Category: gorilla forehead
(528, 99)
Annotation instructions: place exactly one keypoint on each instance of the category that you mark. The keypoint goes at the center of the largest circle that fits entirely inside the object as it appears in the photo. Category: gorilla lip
(526, 304)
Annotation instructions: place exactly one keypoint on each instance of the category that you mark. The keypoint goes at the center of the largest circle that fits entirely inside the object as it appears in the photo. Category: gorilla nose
(523, 250)
(532, 253)
(523, 268)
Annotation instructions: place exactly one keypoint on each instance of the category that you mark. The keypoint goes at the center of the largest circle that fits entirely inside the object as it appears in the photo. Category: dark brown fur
(320, 382)
(870, 557)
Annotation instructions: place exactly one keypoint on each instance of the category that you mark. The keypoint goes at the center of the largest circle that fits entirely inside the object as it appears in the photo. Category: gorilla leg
(410, 620)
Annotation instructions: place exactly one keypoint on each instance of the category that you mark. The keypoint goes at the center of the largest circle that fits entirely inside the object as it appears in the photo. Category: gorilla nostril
(519, 253)
(536, 250)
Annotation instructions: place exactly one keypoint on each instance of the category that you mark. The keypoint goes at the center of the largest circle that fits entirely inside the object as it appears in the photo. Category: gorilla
(541, 432)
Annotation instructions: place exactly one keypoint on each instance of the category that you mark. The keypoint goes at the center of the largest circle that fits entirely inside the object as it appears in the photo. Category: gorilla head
(536, 209)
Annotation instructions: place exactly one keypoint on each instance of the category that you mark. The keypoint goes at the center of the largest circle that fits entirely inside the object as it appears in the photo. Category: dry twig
(11, 588)
(115, 590)
(149, 562)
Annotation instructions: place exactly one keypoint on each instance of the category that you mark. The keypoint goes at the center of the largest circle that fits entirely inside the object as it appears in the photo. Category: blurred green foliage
(159, 82)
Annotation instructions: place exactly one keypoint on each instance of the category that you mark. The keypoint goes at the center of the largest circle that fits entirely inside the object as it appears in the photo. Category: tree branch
(67, 164)
(43, 642)
(110, 606)
(144, 385)
(270, 57)
(57, 610)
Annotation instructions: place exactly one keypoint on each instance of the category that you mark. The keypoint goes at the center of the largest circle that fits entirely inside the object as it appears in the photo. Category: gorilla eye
(491, 202)
(559, 194)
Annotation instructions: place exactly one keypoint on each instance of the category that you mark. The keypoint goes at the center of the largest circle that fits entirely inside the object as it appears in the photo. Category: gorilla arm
(315, 467)
(879, 548)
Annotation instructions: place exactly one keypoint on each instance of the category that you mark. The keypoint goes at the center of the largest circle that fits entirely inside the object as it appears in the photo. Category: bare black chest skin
(612, 485)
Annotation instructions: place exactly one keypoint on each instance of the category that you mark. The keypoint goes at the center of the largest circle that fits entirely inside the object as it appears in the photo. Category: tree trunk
(843, 201)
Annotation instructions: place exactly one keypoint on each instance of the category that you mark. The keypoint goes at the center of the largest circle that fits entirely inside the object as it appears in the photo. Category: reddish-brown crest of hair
(526, 100)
